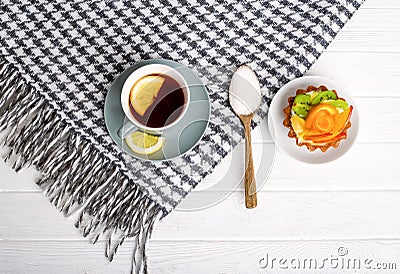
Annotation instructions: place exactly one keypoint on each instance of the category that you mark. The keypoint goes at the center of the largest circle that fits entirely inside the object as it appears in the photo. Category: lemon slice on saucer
(144, 92)
(143, 143)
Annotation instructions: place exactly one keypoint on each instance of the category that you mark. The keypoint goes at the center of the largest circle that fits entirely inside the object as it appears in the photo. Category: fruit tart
(317, 118)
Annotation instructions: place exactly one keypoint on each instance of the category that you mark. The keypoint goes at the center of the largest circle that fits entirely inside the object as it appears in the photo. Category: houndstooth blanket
(58, 59)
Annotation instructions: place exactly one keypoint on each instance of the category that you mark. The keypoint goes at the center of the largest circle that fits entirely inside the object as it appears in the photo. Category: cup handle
(126, 128)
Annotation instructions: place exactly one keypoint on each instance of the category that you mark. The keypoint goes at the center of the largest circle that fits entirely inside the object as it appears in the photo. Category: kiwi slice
(301, 105)
(340, 104)
(303, 99)
(301, 111)
(323, 96)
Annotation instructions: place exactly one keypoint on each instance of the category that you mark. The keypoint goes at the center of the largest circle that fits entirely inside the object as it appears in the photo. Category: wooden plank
(199, 257)
(361, 173)
(60, 257)
(365, 167)
(379, 4)
(363, 74)
(370, 30)
(279, 215)
(287, 215)
(17, 181)
(251, 257)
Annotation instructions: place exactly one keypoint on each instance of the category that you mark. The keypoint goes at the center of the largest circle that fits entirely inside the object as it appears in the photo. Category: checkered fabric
(69, 53)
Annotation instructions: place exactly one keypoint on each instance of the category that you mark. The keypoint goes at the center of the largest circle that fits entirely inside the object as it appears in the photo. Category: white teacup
(135, 76)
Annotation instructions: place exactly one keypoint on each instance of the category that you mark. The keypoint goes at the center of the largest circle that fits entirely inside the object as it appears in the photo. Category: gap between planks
(217, 240)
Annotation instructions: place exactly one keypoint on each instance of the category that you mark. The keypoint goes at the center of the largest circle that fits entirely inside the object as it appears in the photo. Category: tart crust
(292, 134)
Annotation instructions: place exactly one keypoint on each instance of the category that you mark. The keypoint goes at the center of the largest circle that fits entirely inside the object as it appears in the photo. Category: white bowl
(280, 133)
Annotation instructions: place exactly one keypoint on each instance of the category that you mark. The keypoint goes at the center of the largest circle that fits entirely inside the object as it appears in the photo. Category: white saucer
(180, 138)
(279, 131)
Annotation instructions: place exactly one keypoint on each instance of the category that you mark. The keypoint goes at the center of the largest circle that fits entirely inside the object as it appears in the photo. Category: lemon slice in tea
(143, 143)
(144, 92)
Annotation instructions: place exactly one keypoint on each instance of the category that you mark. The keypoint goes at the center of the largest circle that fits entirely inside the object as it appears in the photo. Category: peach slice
(320, 112)
(340, 136)
(324, 123)
(340, 122)
(342, 119)
(315, 136)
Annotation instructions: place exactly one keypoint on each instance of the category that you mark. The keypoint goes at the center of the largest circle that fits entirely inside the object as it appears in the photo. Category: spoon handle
(250, 189)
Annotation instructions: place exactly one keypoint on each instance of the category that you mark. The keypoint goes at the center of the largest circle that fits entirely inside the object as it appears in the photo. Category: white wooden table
(304, 211)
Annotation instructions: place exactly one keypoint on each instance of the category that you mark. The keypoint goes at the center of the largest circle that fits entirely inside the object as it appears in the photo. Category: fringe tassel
(75, 176)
